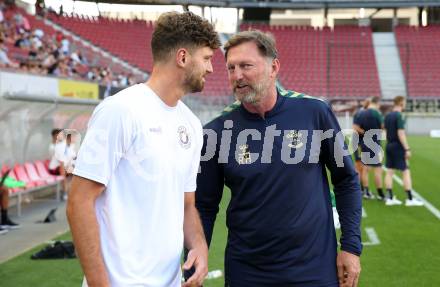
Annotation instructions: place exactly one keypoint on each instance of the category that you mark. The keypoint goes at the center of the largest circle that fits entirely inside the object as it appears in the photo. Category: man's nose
(209, 69)
(236, 74)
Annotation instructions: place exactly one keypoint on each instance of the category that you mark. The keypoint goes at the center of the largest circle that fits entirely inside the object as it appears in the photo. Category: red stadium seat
(304, 52)
(44, 173)
(35, 176)
(419, 49)
(21, 175)
(128, 40)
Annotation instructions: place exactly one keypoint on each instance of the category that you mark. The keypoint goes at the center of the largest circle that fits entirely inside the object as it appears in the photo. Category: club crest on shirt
(244, 157)
(296, 138)
(183, 136)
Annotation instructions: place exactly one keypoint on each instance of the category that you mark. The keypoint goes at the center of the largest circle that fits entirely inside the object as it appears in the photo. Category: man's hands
(349, 268)
(195, 242)
(199, 259)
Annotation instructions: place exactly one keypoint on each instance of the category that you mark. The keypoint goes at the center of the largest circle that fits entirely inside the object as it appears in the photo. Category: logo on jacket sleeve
(184, 138)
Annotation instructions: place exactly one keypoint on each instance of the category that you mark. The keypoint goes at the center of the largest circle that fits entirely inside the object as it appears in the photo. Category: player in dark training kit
(357, 148)
(272, 148)
(397, 154)
(371, 125)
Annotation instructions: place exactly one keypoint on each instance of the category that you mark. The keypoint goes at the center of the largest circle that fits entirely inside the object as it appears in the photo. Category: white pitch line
(372, 236)
(373, 239)
(428, 205)
(364, 213)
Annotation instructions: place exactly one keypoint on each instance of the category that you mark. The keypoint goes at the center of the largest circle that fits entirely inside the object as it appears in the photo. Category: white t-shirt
(147, 155)
(69, 158)
(57, 155)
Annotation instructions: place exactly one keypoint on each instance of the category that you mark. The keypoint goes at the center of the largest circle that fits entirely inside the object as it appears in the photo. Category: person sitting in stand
(6, 184)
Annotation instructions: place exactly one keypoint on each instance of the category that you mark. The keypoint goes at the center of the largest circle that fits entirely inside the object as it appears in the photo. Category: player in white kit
(131, 207)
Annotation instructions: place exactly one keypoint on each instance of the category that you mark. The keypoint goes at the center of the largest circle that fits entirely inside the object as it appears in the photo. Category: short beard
(193, 83)
(258, 91)
(255, 96)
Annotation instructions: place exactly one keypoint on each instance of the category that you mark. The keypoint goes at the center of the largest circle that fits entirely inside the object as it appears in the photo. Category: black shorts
(56, 171)
(395, 157)
(371, 157)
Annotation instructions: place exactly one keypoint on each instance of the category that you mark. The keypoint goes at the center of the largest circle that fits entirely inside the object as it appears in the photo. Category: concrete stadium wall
(422, 125)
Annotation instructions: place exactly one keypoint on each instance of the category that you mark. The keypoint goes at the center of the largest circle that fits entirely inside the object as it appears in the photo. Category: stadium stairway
(391, 77)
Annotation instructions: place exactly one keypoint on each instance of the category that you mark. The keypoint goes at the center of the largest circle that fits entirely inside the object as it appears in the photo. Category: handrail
(54, 100)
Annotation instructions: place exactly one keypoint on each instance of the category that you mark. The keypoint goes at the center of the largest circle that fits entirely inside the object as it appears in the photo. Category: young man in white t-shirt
(131, 206)
(57, 163)
(56, 151)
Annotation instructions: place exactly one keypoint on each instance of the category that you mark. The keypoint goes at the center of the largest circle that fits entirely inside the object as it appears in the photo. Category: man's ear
(182, 57)
(275, 67)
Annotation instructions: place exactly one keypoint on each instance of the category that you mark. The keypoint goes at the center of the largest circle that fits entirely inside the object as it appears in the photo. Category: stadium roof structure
(284, 4)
